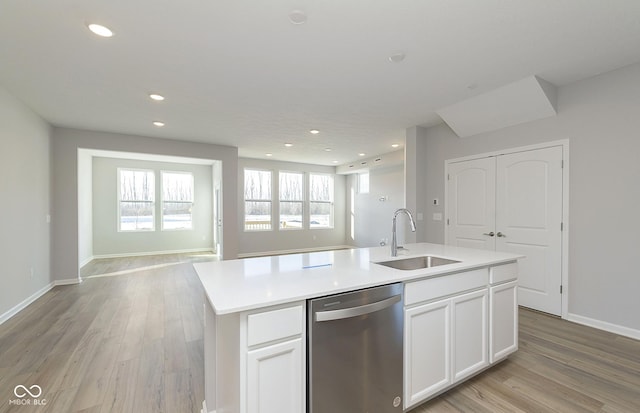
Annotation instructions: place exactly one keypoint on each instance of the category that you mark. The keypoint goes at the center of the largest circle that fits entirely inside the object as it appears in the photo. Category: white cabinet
(446, 341)
(255, 361)
(275, 378)
(503, 309)
(427, 350)
(470, 331)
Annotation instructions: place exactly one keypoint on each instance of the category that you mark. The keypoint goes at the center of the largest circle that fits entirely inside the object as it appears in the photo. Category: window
(136, 198)
(291, 200)
(321, 201)
(257, 200)
(363, 183)
(177, 200)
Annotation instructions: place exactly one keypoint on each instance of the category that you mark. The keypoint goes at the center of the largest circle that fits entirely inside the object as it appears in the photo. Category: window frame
(331, 202)
(162, 200)
(245, 200)
(119, 200)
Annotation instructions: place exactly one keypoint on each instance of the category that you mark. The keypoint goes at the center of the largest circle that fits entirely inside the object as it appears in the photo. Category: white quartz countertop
(245, 284)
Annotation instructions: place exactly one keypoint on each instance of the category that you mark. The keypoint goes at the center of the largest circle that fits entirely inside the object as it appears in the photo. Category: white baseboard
(22, 305)
(142, 254)
(294, 251)
(68, 281)
(603, 325)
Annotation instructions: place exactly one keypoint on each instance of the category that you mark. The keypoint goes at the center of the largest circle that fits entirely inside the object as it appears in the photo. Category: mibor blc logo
(27, 396)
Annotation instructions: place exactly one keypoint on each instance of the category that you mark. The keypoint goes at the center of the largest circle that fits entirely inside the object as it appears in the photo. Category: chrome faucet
(394, 242)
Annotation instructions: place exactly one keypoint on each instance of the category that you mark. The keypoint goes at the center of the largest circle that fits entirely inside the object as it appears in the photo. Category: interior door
(528, 222)
(513, 203)
(471, 197)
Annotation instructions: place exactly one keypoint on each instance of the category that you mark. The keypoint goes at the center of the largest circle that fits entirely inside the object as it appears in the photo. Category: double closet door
(513, 203)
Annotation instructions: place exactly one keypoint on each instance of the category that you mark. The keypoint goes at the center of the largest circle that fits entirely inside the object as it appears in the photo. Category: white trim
(33, 297)
(603, 325)
(561, 142)
(564, 143)
(68, 281)
(294, 251)
(145, 253)
(22, 305)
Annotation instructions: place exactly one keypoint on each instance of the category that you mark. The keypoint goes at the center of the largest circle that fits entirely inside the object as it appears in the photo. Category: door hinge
(448, 177)
(447, 221)
(560, 289)
(562, 226)
(562, 164)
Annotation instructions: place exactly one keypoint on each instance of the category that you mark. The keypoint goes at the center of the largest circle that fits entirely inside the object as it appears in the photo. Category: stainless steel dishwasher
(355, 351)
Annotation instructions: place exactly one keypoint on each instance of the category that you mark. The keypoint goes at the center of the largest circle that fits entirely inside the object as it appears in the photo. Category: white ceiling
(239, 73)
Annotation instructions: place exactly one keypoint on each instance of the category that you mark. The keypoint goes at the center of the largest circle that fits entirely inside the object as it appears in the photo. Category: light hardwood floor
(133, 343)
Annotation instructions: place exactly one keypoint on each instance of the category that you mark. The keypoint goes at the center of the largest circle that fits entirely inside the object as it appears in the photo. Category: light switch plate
(437, 216)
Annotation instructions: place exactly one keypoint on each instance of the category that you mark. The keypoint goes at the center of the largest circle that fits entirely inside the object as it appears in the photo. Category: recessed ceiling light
(100, 30)
(158, 123)
(288, 145)
(298, 17)
(361, 154)
(156, 97)
(335, 161)
(397, 57)
(314, 131)
(268, 154)
(395, 145)
(328, 149)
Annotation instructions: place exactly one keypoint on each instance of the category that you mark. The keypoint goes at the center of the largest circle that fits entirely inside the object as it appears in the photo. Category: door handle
(501, 235)
(331, 315)
(491, 234)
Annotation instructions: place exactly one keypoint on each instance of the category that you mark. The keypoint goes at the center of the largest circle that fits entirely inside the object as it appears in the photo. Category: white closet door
(471, 197)
(528, 219)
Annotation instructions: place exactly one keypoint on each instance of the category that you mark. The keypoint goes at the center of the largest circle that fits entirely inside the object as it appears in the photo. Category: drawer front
(425, 290)
(274, 325)
(502, 273)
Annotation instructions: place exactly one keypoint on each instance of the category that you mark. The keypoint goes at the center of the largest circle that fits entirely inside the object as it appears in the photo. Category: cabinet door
(470, 334)
(427, 367)
(503, 313)
(275, 378)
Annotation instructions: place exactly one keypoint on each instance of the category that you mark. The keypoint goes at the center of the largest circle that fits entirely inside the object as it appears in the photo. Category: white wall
(276, 240)
(108, 241)
(373, 218)
(65, 145)
(601, 118)
(24, 204)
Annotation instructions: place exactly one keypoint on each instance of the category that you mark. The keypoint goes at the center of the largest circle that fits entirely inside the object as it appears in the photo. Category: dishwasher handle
(331, 315)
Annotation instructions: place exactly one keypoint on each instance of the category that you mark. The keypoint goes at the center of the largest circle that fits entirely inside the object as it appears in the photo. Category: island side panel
(222, 361)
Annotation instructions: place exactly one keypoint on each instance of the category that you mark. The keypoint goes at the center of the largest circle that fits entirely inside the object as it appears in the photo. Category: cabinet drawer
(502, 273)
(425, 290)
(274, 325)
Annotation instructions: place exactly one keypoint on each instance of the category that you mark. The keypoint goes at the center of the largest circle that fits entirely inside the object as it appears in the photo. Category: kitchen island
(459, 319)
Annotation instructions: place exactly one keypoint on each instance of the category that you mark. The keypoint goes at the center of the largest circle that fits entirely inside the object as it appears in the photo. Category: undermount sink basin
(416, 263)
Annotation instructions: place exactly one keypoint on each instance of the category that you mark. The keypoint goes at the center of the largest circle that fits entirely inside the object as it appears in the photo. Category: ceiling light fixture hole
(298, 17)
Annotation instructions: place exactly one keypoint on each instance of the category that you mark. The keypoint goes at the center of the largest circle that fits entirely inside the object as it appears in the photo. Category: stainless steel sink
(416, 263)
